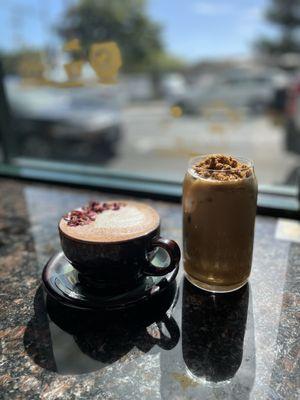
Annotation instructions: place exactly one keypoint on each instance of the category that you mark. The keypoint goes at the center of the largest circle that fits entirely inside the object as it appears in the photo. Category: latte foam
(131, 220)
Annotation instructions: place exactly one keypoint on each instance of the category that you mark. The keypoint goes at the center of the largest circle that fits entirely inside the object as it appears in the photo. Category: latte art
(116, 221)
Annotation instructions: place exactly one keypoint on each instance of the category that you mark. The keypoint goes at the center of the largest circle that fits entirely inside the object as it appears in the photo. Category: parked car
(236, 89)
(74, 124)
(293, 117)
(173, 85)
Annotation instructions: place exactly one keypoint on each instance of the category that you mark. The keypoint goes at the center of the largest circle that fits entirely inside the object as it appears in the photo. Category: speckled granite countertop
(239, 346)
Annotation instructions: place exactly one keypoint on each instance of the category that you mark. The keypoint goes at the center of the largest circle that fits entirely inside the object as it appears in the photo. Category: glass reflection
(213, 330)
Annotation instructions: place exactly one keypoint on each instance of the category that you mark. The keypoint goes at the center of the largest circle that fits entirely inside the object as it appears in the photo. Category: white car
(54, 118)
(249, 90)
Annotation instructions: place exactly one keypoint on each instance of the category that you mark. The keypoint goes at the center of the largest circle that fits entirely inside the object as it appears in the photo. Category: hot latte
(110, 222)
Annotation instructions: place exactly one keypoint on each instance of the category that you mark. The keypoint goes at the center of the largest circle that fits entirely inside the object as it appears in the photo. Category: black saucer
(61, 282)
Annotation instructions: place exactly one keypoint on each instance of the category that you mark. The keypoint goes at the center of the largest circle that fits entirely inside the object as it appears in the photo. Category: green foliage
(18, 62)
(285, 14)
(278, 47)
(124, 22)
(167, 63)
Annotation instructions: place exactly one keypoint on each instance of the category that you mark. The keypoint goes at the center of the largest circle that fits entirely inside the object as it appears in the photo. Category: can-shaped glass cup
(218, 228)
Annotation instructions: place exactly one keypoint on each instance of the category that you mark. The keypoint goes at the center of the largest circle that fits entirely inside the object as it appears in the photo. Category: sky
(192, 29)
(211, 28)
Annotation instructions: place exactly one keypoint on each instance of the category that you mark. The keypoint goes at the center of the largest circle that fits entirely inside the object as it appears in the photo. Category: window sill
(279, 201)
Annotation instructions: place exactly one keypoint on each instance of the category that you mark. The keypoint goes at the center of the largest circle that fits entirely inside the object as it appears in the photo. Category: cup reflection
(97, 339)
(213, 329)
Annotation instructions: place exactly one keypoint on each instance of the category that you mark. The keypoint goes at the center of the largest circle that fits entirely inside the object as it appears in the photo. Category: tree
(124, 22)
(26, 63)
(285, 14)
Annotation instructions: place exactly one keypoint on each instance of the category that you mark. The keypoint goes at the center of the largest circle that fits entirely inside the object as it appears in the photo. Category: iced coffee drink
(219, 207)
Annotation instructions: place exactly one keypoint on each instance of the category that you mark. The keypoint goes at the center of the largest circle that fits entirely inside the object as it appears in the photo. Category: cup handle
(165, 342)
(172, 249)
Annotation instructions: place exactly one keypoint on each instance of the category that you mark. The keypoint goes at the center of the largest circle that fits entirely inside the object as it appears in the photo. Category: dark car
(293, 117)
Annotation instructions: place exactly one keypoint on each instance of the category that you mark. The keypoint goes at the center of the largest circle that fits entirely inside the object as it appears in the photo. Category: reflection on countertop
(188, 345)
(213, 330)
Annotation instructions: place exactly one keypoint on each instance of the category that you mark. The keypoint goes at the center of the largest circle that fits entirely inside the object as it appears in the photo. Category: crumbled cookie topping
(222, 168)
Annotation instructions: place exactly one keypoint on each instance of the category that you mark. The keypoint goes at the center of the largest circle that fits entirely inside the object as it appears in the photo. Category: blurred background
(140, 86)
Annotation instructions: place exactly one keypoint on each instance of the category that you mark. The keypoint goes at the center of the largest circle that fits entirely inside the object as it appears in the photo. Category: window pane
(141, 86)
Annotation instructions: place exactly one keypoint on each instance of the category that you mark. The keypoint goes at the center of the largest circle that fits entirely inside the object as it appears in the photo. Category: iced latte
(219, 207)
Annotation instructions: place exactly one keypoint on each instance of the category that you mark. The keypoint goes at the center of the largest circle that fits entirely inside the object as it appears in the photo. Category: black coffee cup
(119, 265)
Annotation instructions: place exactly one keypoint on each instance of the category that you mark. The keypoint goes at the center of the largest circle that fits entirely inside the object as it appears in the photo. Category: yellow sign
(73, 69)
(176, 111)
(105, 59)
(72, 45)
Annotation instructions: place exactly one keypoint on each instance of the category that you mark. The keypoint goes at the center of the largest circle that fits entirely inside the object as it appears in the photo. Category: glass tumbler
(218, 228)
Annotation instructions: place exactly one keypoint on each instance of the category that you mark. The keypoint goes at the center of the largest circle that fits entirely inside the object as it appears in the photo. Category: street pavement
(158, 145)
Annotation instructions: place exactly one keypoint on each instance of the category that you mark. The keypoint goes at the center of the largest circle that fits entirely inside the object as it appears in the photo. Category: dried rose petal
(88, 213)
